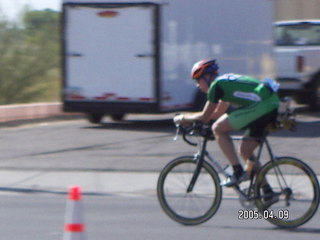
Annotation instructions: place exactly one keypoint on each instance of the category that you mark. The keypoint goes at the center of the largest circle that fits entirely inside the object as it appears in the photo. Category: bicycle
(189, 190)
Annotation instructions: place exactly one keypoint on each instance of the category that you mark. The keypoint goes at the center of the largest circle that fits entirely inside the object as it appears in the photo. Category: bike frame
(203, 154)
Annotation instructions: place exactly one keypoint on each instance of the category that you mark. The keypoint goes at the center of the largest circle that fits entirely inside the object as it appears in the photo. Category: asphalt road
(141, 144)
(31, 217)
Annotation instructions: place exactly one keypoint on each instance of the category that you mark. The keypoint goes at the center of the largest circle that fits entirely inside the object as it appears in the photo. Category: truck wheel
(95, 117)
(314, 103)
(117, 116)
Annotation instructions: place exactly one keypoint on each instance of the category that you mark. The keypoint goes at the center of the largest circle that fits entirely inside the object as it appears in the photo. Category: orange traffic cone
(74, 226)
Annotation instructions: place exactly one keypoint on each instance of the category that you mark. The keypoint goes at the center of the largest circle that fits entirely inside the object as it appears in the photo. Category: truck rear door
(110, 53)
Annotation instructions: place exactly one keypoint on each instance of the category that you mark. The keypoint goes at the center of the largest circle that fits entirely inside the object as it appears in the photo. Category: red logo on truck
(108, 14)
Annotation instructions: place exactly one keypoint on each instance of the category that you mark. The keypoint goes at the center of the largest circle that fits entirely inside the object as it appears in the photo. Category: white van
(297, 59)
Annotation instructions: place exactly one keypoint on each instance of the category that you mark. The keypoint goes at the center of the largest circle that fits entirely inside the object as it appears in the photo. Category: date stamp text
(244, 214)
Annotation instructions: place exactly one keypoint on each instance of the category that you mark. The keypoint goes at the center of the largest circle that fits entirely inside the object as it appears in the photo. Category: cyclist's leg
(255, 131)
(221, 129)
(247, 148)
(241, 119)
(235, 121)
(252, 167)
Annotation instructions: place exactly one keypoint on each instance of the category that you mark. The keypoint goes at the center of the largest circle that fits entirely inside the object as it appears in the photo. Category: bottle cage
(285, 118)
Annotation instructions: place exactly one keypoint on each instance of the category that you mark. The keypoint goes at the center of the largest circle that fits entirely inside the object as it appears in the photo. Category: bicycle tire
(188, 208)
(297, 187)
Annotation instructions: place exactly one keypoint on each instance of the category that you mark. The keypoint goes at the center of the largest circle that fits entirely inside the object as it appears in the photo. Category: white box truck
(297, 58)
(124, 57)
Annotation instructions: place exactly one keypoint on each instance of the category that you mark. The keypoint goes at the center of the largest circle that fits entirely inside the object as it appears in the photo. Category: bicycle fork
(200, 158)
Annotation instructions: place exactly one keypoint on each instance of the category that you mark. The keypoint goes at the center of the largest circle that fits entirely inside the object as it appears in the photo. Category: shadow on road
(255, 228)
(304, 230)
(166, 126)
(309, 129)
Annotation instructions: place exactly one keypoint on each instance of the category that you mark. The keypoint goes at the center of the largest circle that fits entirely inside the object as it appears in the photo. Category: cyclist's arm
(221, 108)
(210, 111)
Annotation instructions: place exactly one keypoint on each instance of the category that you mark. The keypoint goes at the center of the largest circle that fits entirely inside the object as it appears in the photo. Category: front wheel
(189, 208)
(294, 198)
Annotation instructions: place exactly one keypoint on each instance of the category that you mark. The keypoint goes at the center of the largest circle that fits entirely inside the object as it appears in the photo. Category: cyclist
(258, 103)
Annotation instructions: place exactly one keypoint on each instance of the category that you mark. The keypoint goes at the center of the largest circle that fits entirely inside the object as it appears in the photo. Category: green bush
(30, 58)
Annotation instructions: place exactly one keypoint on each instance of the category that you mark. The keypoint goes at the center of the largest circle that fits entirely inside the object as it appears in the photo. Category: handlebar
(197, 128)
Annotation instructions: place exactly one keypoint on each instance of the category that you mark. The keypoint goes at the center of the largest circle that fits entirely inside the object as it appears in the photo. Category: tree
(27, 54)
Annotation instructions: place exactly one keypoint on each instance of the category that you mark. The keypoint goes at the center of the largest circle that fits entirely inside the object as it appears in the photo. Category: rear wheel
(95, 117)
(295, 197)
(117, 116)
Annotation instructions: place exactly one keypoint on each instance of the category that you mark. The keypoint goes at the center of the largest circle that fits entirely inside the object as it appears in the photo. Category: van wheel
(117, 116)
(95, 117)
(314, 102)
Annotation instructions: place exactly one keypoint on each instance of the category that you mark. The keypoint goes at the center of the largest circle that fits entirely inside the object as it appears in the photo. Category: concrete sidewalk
(91, 182)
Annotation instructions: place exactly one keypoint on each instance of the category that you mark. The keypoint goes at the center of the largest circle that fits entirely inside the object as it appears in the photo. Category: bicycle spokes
(293, 187)
(185, 198)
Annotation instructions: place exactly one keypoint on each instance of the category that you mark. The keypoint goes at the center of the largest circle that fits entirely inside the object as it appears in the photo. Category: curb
(16, 114)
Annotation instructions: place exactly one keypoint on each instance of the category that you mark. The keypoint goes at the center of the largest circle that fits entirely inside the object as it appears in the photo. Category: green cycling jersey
(239, 89)
(256, 99)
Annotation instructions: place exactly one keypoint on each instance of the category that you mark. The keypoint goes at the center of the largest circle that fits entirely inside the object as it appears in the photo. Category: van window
(298, 34)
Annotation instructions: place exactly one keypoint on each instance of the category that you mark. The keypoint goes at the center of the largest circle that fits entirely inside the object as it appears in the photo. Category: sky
(11, 8)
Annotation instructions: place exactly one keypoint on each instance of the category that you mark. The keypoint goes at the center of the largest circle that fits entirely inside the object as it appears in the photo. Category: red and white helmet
(205, 66)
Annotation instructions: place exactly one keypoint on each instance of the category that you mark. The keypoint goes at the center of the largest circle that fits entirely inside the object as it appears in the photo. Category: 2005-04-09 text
(266, 214)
